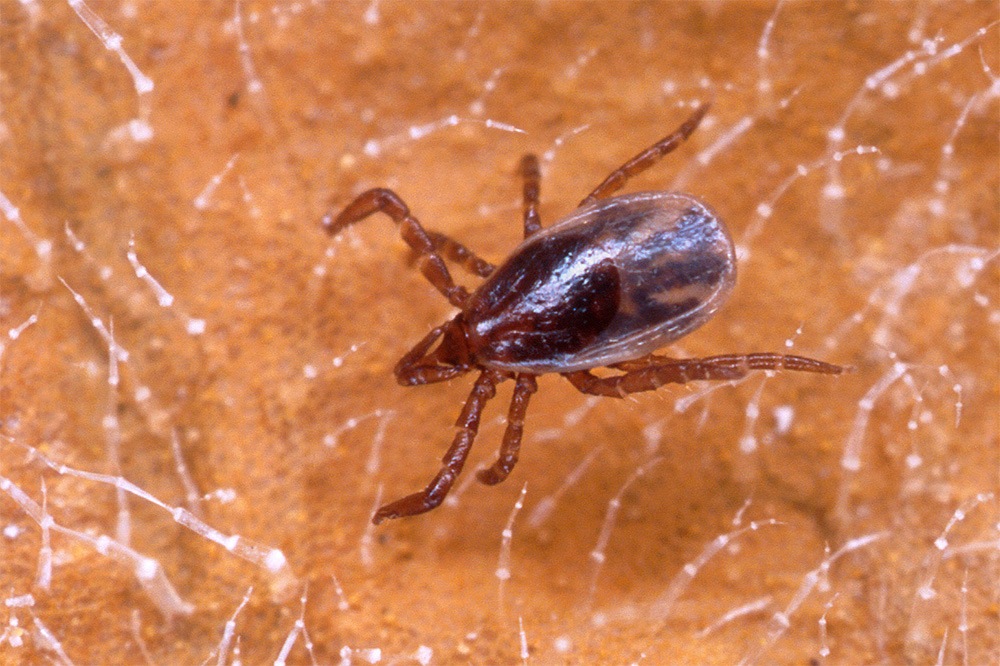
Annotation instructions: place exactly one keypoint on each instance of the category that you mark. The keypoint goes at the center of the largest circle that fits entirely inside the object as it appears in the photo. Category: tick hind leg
(453, 461)
(647, 158)
(431, 264)
(652, 372)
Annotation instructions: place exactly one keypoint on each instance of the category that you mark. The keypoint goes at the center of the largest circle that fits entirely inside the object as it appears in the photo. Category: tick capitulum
(604, 287)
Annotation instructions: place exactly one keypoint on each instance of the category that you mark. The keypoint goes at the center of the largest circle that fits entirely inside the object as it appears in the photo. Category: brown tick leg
(461, 255)
(652, 372)
(381, 200)
(466, 258)
(468, 425)
(532, 177)
(646, 158)
(523, 389)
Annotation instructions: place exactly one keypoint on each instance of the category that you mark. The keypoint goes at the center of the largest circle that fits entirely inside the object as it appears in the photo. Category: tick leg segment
(652, 372)
(532, 177)
(468, 425)
(523, 389)
(461, 255)
(646, 158)
(381, 200)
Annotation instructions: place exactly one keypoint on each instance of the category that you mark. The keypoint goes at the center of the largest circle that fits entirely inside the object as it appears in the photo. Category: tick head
(453, 350)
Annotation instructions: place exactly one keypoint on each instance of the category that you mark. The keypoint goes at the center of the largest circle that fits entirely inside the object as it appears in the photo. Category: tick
(615, 280)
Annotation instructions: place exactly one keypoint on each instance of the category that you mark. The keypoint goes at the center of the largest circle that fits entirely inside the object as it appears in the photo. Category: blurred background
(198, 409)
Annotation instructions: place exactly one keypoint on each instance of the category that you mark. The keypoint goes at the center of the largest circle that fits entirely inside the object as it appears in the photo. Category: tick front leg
(523, 389)
(461, 255)
(532, 178)
(652, 372)
(453, 461)
(381, 200)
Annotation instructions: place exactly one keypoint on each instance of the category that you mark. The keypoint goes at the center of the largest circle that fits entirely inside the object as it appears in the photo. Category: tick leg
(468, 425)
(523, 389)
(381, 200)
(652, 372)
(461, 255)
(532, 177)
(646, 158)
(465, 257)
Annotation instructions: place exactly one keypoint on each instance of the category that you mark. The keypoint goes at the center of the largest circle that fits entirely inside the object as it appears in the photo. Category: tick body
(605, 286)
(617, 279)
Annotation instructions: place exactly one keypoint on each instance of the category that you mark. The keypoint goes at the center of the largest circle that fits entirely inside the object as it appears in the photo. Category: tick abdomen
(613, 281)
